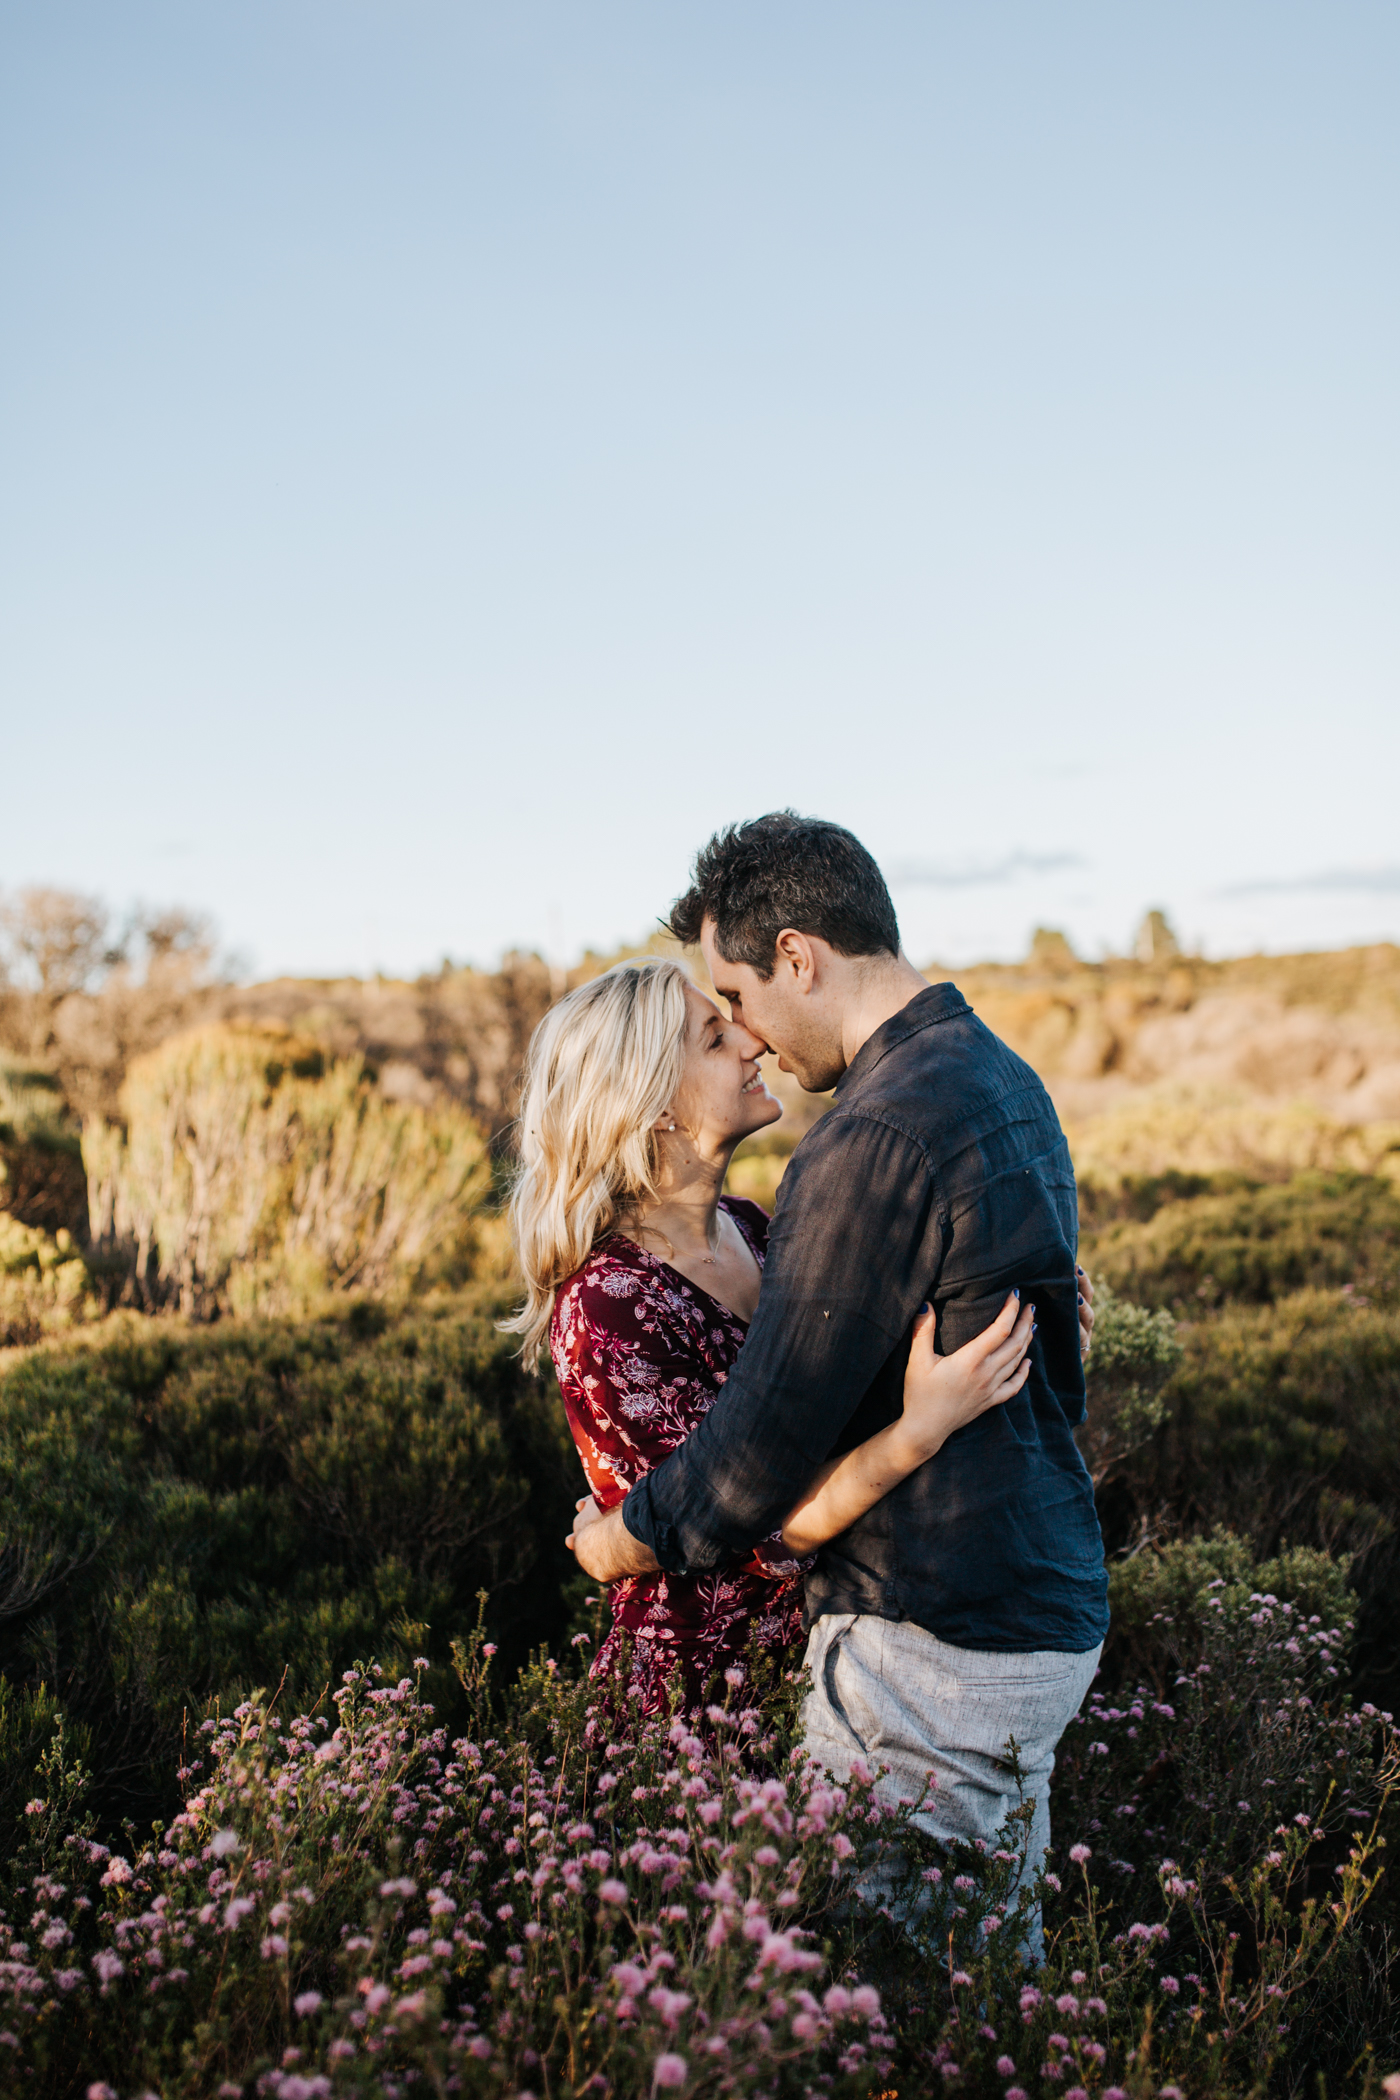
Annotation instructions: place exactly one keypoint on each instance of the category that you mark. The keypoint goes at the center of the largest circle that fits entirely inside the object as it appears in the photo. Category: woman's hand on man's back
(944, 1393)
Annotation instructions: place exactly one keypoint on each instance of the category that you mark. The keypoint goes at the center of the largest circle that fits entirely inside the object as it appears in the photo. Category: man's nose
(751, 1045)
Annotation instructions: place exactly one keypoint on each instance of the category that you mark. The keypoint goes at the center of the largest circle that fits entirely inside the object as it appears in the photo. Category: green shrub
(44, 1283)
(1134, 1354)
(1256, 1245)
(41, 1166)
(1283, 1421)
(189, 1515)
(1139, 1197)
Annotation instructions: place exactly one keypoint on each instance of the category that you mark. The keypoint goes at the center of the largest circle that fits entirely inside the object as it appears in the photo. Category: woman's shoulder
(751, 1218)
(614, 1272)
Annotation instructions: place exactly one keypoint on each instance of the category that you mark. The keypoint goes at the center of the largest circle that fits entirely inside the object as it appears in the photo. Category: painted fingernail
(1034, 1325)
(1015, 1290)
(925, 1307)
(1081, 1297)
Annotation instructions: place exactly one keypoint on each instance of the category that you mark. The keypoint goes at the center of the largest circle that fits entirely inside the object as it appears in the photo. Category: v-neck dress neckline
(689, 1281)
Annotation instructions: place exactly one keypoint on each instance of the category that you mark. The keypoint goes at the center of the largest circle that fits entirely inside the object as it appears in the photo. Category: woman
(643, 1278)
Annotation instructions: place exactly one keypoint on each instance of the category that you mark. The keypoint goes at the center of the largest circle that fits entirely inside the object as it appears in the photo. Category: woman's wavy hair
(602, 1066)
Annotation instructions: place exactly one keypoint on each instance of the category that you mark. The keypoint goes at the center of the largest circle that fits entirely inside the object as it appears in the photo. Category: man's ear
(796, 958)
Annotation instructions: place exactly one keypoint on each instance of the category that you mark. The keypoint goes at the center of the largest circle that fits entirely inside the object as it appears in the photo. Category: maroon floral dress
(640, 1353)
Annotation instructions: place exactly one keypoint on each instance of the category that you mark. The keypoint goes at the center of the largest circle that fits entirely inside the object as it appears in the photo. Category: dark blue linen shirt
(940, 1172)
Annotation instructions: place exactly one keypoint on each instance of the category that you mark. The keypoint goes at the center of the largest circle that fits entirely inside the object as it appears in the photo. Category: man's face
(786, 1011)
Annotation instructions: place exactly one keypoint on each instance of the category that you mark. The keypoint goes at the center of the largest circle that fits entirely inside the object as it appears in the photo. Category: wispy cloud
(964, 875)
(1375, 882)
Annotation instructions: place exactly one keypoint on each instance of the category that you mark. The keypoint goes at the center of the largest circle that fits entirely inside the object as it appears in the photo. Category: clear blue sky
(453, 456)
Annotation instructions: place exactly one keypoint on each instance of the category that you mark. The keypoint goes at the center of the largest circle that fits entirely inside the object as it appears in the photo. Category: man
(970, 1605)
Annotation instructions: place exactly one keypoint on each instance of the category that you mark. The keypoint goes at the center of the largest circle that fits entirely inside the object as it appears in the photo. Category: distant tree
(83, 996)
(1156, 943)
(1051, 950)
(53, 944)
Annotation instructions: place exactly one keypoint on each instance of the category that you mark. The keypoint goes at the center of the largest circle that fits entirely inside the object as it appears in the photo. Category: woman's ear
(666, 1121)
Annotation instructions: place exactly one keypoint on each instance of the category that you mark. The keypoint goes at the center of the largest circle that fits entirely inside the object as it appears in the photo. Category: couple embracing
(858, 1415)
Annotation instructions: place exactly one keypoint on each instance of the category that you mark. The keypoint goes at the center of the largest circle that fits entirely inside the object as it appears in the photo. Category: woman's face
(721, 1097)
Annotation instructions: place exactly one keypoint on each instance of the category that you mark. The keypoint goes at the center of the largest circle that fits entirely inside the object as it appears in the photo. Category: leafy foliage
(358, 1900)
(1134, 1354)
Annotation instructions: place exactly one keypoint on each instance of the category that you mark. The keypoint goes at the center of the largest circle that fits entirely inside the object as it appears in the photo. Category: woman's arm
(941, 1393)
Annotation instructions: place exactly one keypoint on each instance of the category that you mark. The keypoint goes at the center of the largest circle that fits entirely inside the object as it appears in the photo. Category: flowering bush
(350, 1903)
(557, 1902)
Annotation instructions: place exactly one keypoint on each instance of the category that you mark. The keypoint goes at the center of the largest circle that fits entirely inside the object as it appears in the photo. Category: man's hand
(1086, 1310)
(603, 1546)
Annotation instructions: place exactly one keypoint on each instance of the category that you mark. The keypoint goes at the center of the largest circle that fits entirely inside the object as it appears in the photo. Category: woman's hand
(944, 1393)
(1086, 1309)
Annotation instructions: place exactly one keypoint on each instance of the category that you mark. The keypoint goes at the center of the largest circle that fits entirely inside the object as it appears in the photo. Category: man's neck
(882, 994)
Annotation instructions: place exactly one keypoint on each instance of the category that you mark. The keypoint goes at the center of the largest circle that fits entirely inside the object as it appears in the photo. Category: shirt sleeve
(853, 1248)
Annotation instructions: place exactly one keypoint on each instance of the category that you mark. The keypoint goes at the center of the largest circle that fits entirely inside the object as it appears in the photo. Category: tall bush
(255, 1173)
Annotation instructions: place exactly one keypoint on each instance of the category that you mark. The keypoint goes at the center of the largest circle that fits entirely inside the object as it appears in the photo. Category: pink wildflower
(670, 2071)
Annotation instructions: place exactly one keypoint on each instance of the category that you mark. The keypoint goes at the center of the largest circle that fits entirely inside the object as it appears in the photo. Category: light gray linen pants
(890, 1693)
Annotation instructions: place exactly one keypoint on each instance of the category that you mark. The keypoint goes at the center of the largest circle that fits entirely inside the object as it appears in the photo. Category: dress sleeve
(772, 1558)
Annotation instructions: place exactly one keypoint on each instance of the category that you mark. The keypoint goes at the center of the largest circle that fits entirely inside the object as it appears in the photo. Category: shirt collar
(939, 1003)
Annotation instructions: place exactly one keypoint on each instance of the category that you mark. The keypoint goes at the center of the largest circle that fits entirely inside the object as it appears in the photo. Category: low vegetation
(233, 1867)
(304, 1788)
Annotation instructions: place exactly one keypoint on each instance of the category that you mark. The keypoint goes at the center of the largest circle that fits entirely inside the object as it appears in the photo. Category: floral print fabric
(640, 1353)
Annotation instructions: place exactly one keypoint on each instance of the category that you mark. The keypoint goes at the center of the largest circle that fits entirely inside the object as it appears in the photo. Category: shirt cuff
(641, 1517)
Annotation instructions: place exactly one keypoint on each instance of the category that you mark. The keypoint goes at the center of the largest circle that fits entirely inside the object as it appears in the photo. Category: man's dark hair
(782, 870)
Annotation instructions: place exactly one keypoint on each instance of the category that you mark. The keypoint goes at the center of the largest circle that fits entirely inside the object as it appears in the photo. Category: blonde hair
(602, 1066)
